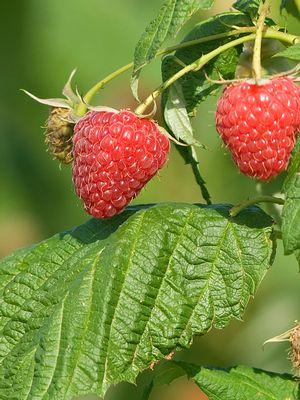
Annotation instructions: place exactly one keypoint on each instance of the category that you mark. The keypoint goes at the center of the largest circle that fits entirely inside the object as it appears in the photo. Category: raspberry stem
(198, 64)
(262, 199)
(256, 62)
(99, 85)
(270, 33)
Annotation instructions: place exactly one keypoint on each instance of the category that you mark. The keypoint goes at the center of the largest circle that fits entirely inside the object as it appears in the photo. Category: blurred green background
(41, 42)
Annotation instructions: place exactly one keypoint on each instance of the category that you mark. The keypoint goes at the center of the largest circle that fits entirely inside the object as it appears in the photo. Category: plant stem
(256, 62)
(91, 93)
(82, 108)
(198, 64)
(261, 199)
(99, 85)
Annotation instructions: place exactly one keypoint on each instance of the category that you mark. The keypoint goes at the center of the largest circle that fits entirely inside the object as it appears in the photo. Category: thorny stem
(262, 199)
(256, 62)
(198, 64)
(98, 86)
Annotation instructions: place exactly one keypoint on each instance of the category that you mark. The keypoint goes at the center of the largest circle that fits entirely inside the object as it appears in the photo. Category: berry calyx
(259, 123)
(115, 155)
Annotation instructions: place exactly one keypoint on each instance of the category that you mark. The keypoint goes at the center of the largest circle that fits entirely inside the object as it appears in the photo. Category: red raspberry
(115, 155)
(259, 122)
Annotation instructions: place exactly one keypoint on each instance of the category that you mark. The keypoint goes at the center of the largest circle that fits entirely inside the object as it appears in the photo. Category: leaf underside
(241, 383)
(247, 6)
(291, 208)
(292, 52)
(238, 383)
(98, 304)
(195, 85)
(193, 88)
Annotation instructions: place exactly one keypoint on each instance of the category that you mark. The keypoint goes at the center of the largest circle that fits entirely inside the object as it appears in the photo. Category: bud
(59, 135)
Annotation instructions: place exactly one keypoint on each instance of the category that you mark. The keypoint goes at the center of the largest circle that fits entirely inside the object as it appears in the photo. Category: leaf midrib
(191, 212)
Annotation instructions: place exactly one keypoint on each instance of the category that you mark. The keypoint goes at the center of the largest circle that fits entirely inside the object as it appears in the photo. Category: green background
(41, 42)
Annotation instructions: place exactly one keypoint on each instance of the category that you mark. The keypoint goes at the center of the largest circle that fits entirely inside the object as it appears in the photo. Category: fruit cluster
(115, 153)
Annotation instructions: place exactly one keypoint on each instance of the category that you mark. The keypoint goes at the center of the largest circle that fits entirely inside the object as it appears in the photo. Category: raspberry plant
(101, 303)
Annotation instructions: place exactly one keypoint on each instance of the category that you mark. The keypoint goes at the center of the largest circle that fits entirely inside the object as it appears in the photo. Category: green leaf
(297, 253)
(178, 122)
(206, 4)
(291, 208)
(241, 383)
(171, 17)
(163, 374)
(195, 85)
(176, 116)
(292, 52)
(291, 6)
(238, 383)
(96, 305)
(293, 168)
(247, 6)
(291, 217)
(190, 157)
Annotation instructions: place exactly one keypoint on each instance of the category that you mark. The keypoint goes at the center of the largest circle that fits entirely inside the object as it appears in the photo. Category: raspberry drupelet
(259, 123)
(115, 155)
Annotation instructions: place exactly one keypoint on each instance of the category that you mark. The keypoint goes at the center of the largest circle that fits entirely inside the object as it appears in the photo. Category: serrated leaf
(195, 85)
(96, 305)
(241, 383)
(171, 17)
(247, 6)
(238, 383)
(291, 208)
(291, 52)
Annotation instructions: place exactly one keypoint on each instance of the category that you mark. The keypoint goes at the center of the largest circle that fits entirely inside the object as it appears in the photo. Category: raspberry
(259, 123)
(115, 155)
(59, 133)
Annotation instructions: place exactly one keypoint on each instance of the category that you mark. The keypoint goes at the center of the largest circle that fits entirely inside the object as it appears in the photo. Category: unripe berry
(59, 133)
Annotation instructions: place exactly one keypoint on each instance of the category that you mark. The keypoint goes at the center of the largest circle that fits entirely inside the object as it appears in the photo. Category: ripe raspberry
(115, 155)
(59, 133)
(259, 122)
